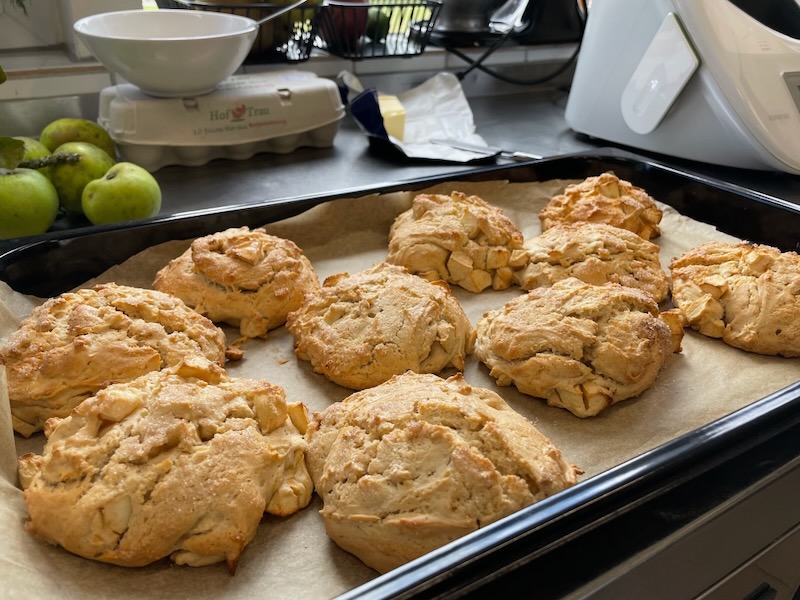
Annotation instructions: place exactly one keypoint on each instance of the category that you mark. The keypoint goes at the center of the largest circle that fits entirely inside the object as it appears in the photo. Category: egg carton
(245, 115)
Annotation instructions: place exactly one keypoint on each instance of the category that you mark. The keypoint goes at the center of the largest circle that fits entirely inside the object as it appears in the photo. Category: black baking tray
(575, 538)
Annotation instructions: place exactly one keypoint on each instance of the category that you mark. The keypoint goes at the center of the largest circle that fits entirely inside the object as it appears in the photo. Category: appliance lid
(782, 16)
(756, 68)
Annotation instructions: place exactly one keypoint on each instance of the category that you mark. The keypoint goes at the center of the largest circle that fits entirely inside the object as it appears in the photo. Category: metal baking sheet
(603, 519)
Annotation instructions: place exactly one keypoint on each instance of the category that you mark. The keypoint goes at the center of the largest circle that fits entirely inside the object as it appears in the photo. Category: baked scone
(459, 239)
(596, 253)
(362, 328)
(416, 462)
(79, 342)
(579, 346)
(179, 463)
(746, 294)
(243, 277)
(605, 199)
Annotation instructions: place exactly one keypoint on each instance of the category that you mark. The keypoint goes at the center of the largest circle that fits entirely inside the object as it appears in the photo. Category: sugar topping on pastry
(364, 327)
(579, 346)
(607, 199)
(746, 294)
(241, 276)
(411, 464)
(180, 463)
(79, 342)
(459, 239)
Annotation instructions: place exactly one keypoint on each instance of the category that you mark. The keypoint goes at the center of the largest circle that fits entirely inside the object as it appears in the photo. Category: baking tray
(575, 538)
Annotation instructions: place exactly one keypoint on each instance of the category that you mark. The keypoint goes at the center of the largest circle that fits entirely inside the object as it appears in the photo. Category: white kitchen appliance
(694, 79)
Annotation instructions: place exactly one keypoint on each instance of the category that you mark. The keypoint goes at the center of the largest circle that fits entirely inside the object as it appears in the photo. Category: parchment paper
(292, 557)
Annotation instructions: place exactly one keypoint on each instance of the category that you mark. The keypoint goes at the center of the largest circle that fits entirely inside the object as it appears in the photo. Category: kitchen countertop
(529, 121)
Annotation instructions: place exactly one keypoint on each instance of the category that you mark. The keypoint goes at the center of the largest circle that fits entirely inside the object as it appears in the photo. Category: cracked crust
(596, 253)
(362, 328)
(79, 342)
(243, 277)
(746, 294)
(605, 199)
(579, 346)
(459, 239)
(409, 465)
(180, 463)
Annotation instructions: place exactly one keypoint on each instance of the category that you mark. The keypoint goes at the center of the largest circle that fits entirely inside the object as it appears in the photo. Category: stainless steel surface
(530, 121)
(487, 150)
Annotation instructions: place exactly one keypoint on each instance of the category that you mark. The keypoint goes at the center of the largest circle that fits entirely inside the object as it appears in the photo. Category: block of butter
(394, 115)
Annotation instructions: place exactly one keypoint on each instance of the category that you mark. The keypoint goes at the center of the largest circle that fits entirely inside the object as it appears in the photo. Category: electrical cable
(477, 63)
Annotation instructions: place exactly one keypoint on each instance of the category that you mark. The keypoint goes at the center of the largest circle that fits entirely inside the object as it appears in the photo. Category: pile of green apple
(70, 168)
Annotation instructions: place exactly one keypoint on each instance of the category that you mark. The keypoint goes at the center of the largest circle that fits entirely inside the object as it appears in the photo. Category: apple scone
(418, 461)
(243, 277)
(579, 346)
(596, 253)
(607, 199)
(746, 294)
(180, 463)
(360, 329)
(459, 239)
(77, 343)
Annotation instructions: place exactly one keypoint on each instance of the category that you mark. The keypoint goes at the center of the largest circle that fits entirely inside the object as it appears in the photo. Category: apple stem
(50, 160)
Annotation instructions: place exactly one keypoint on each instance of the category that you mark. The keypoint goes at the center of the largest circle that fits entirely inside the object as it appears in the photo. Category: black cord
(477, 63)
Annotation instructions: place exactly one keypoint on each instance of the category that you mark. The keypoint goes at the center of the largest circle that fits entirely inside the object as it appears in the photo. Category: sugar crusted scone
(579, 346)
(459, 239)
(607, 199)
(79, 342)
(179, 463)
(596, 253)
(360, 329)
(241, 276)
(746, 294)
(416, 462)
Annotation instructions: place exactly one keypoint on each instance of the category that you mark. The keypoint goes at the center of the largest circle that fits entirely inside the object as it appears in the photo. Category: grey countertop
(529, 121)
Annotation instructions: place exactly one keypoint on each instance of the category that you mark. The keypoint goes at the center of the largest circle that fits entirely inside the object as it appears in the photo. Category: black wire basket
(360, 30)
(288, 38)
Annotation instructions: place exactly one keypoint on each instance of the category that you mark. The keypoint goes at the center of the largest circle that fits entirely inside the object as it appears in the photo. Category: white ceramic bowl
(169, 53)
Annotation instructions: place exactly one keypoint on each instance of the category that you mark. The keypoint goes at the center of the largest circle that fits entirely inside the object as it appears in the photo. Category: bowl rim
(250, 25)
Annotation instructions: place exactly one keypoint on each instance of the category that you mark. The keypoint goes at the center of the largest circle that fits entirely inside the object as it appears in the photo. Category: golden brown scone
(412, 464)
(605, 199)
(596, 253)
(241, 276)
(459, 239)
(581, 347)
(179, 463)
(362, 328)
(746, 294)
(79, 342)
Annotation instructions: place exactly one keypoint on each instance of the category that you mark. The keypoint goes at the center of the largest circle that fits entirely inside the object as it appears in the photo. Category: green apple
(69, 129)
(125, 193)
(378, 24)
(34, 149)
(28, 203)
(70, 177)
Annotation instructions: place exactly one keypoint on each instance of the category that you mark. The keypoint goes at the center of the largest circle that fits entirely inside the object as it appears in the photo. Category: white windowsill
(53, 72)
